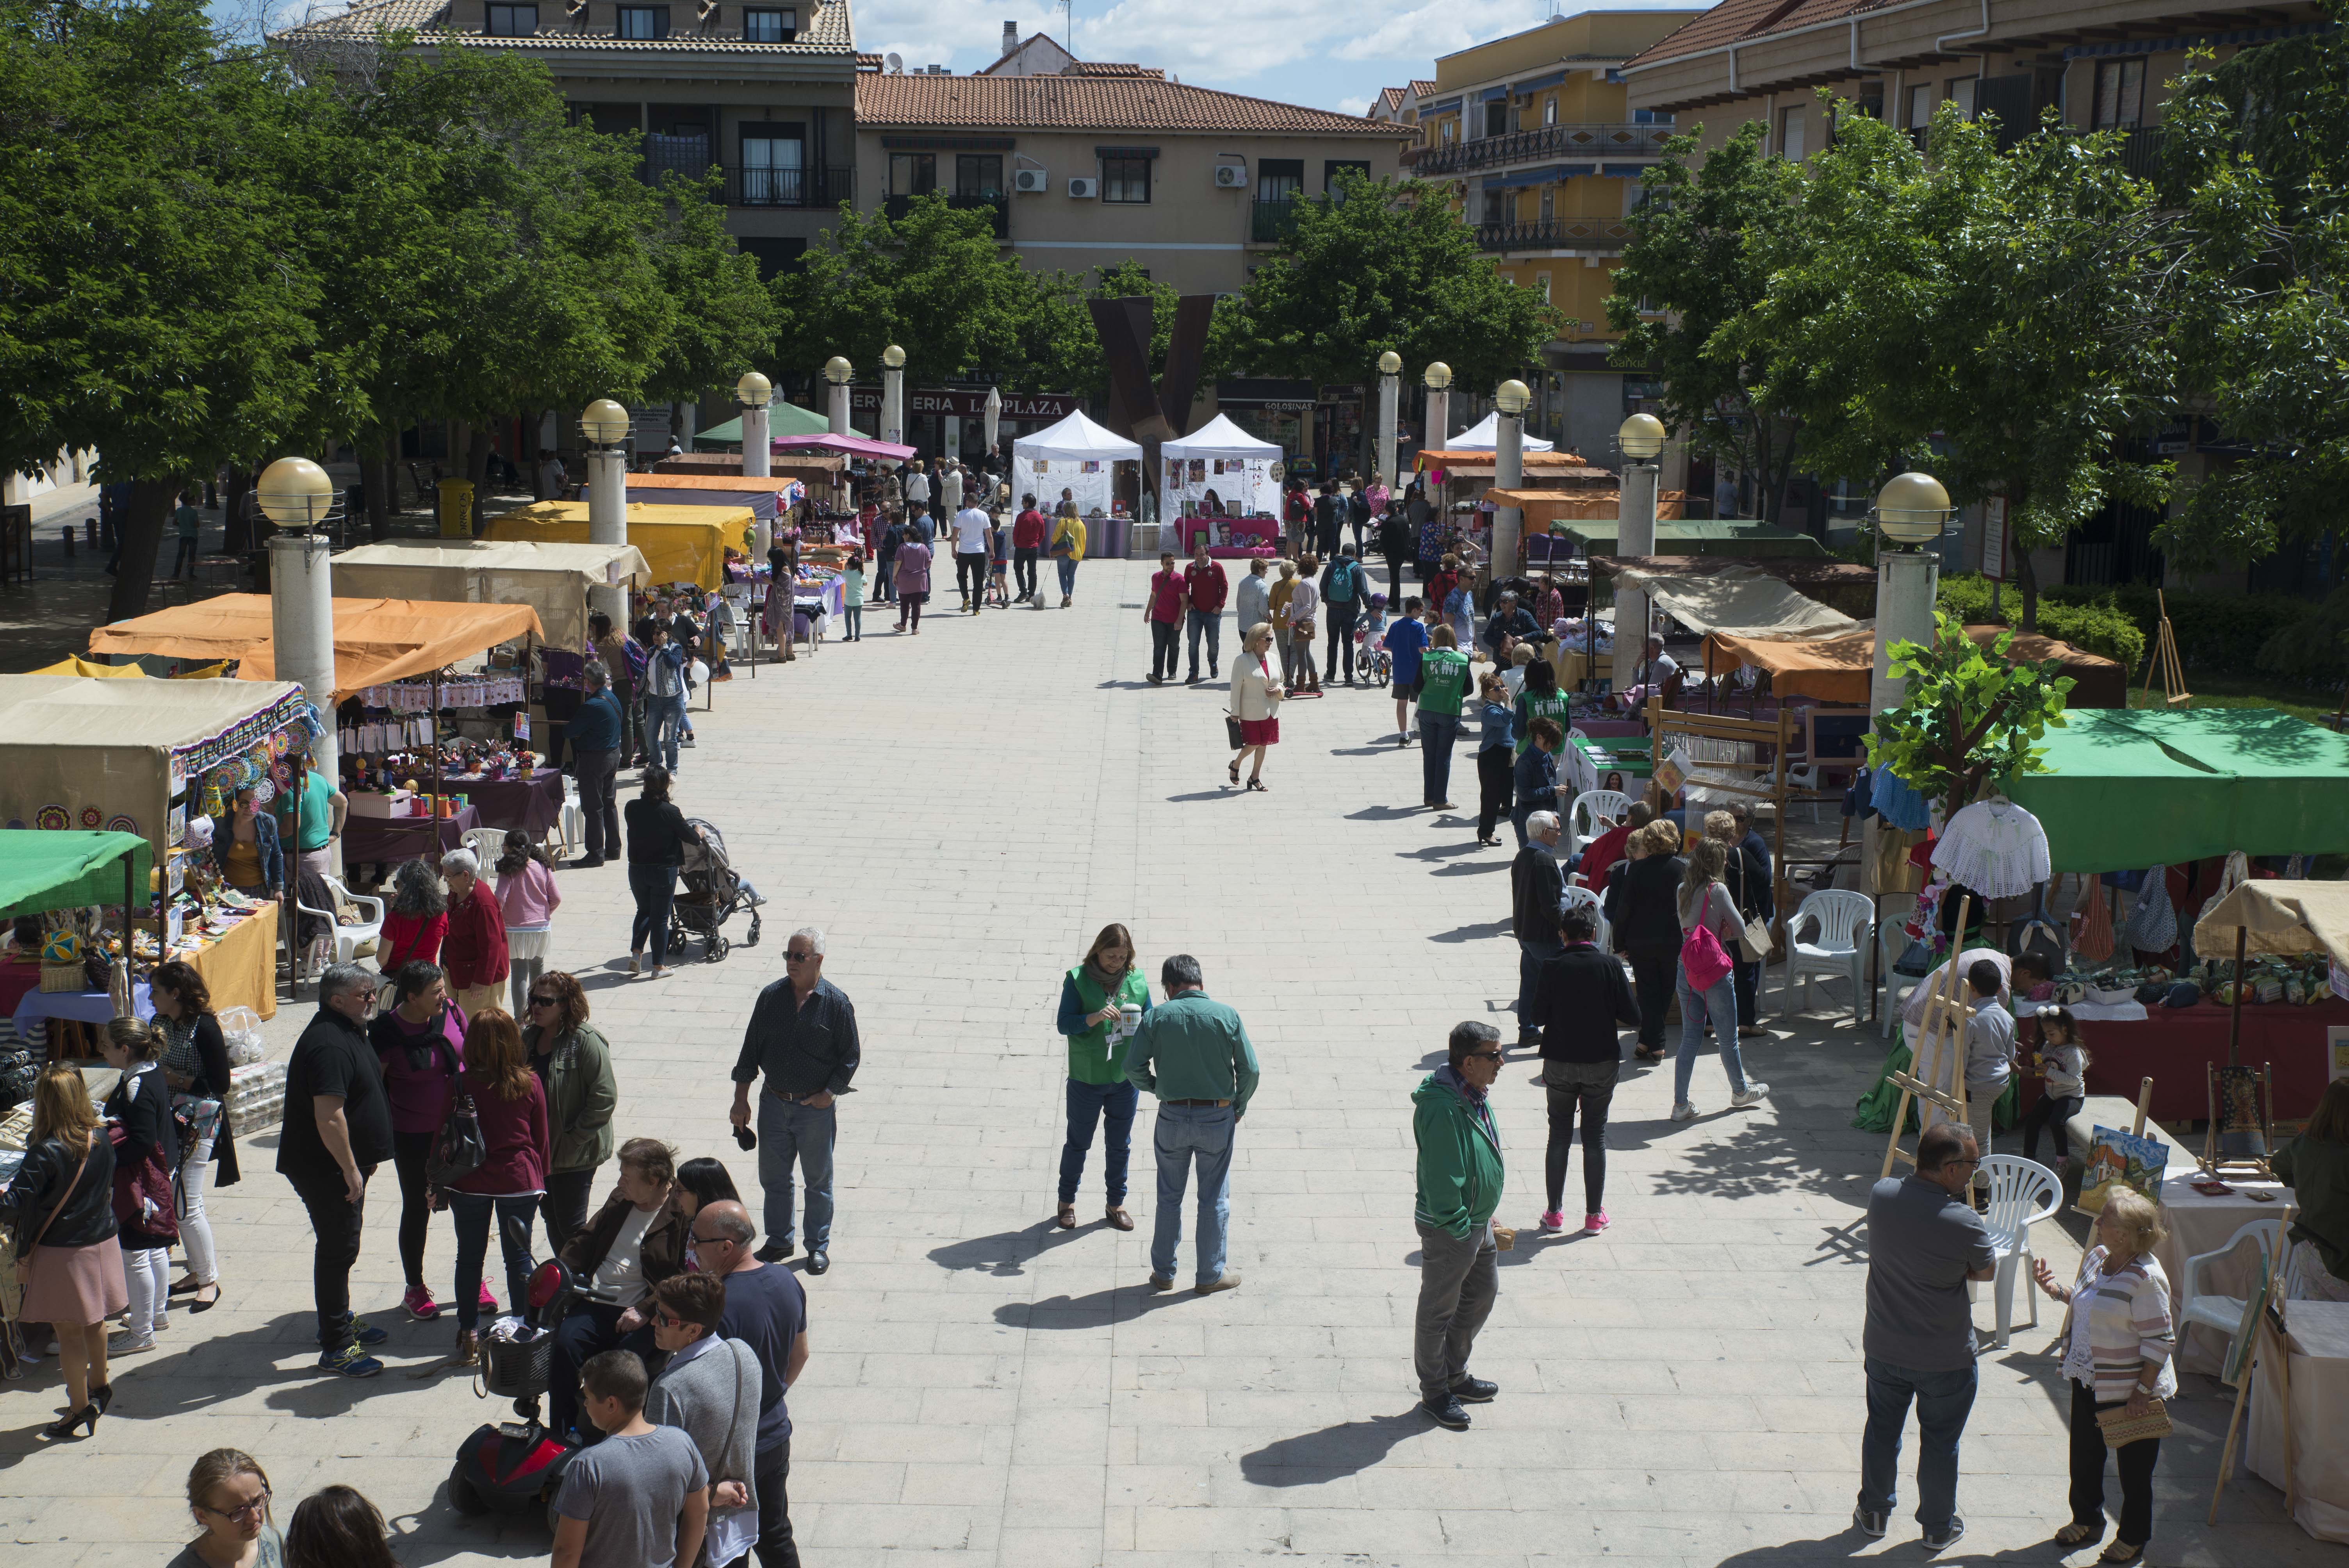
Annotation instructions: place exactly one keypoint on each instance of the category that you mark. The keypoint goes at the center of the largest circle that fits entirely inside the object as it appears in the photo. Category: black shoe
(818, 1261)
(1868, 1522)
(1448, 1414)
(774, 1252)
(1474, 1391)
(587, 863)
(1948, 1536)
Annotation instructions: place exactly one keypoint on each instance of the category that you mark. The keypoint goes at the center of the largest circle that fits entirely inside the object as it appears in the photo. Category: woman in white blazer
(1255, 701)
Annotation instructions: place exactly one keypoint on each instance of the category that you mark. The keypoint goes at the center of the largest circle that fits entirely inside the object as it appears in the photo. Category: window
(1497, 117)
(1451, 128)
(913, 173)
(1496, 208)
(611, 119)
(774, 255)
(1280, 178)
(1961, 93)
(1920, 107)
(1549, 203)
(774, 166)
(1790, 135)
(1125, 180)
(642, 22)
(769, 27)
(1650, 117)
(1549, 109)
(2120, 94)
(979, 175)
(1329, 172)
(512, 21)
(1541, 287)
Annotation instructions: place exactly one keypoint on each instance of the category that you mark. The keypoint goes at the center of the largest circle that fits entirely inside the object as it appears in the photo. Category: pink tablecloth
(1260, 528)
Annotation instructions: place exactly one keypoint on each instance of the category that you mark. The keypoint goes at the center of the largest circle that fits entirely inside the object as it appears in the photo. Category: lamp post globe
(1912, 509)
(294, 494)
(1640, 437)
(837, 370)
(605, 422)
(754, 390)
(1390, 363)
(1438, 375)
(1512, 398)
(893, 357)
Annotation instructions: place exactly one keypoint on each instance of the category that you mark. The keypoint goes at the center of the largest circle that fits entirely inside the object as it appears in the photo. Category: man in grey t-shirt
(1924, 1242)
(640, 1498)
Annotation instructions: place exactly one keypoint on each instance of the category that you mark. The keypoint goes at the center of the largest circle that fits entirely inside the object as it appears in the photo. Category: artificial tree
(1969, 715)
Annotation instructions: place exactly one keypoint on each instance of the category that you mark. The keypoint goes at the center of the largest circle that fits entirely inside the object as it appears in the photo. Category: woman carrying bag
(1749, 888)
(62, 1214)
(1093, 994)
(1255, 703)
(196, 1065)
(147, 1150)
(510, 1108)
(1709, 927)
(420, 1042)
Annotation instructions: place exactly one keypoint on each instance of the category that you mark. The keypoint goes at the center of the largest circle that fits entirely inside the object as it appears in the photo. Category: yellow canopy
(376, 640)
(2278, 917)
(75, 664)
(680, 543)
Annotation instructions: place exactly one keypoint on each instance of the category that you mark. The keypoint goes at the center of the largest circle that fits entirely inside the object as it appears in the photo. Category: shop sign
(970, 405)
(1346, 392)
(1266, 393)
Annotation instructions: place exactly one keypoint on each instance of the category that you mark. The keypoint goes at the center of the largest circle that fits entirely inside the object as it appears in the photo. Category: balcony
(1543, 142)
(1555, 234)
(760, 187)
(2141, 151)
(997, 204)
(1269, 222)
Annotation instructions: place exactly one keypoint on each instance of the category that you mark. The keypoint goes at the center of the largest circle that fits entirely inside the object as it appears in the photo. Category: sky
(1327, 53)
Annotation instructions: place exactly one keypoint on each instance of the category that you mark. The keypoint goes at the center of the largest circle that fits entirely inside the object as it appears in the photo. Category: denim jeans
(1068, 575)
(1211, 623)
(1718, 1002)
(1111, 1104)
(1438, 734)
(790, 1132)
(655, 888)
(1943, 1399)
(854, 613)
(664, 723)
(471, 1213)
(1182, 1133)
(884, 582)
(1163, 648)
(1533, 952)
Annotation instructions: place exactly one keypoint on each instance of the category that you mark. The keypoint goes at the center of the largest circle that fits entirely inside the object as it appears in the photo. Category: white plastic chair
(574, 819)
(1590, 899)
(1583, 817)
(2022, 1193)
(1846, 922)
(487, 844)
(347, 939)
(1892, 941)
(2223, 1312)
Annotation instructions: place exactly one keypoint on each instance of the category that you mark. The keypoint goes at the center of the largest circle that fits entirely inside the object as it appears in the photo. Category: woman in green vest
(1093, 999)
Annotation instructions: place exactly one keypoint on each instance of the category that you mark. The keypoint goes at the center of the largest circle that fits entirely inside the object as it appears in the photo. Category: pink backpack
(1703, 960)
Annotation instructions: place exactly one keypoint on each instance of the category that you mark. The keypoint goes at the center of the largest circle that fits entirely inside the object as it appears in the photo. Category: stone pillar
(893, 406)
(1390, 391)
(838, 408)
(1635, 535)
(607, 521)
(1906, 585)
(758, 457)
(1439, 418)
(1508, 473)
(302, 634)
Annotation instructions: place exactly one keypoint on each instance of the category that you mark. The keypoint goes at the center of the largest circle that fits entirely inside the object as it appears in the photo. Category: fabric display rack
(397, 732)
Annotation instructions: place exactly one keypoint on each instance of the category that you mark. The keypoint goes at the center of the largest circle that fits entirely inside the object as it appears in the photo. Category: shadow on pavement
(1122, 1304)
(1005, 1253)
(1312, 1458)
(1471, 933)
(1384, 814)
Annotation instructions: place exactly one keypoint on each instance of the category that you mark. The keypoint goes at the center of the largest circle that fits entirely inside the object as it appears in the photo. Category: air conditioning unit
(1032, 182)
(1231, 177)
(1085, 189)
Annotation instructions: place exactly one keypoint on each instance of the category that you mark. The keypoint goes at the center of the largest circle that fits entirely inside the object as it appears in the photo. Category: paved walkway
(961, 812)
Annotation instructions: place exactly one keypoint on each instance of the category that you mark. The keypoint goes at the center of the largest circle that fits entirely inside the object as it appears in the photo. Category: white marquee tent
(1485, 436)
(1074, 455)
(1222, 457)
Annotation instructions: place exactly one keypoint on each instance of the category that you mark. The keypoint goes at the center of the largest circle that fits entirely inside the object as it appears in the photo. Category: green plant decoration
(1969, 715)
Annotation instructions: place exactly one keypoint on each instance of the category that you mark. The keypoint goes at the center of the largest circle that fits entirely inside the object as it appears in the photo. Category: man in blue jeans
(1193, 1054)
(666, 685)
(802, 1040)
(1924, 1242)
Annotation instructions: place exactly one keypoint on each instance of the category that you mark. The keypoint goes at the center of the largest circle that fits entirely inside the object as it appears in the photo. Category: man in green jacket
(1193, 1054)
(1459, 1188)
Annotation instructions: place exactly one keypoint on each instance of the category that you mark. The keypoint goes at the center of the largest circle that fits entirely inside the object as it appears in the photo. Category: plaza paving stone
(960, 812)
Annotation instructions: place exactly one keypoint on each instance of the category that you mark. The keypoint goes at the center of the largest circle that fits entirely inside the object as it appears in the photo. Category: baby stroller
(712, 894)
(511, 1467)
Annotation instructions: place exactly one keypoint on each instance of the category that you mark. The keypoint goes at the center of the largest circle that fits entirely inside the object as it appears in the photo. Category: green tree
(1381, 266)
(1705, 243)
(1061, 347)
(1965, 717)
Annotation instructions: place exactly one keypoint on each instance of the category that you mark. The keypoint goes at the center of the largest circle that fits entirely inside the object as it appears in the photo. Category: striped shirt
(2119, 1322)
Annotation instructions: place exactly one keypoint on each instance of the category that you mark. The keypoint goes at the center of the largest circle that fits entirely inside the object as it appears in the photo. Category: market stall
(679, 543)
(1215, 475)
(846, 445)
(42, 877)
(1835, 667)
(763, 497)
(1485, 436)
(783, 421)
(553, 579)
(1696, 536)
(1077, 456)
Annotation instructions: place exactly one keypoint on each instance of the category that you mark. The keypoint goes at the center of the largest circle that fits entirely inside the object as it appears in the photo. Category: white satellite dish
(894, 62)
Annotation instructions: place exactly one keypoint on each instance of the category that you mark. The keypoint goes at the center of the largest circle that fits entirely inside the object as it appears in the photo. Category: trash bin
(456, 509)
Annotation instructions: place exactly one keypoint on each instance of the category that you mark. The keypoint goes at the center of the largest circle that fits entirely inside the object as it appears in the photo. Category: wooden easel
(2164, 659)
(1946, 1017)
(2271, 1347)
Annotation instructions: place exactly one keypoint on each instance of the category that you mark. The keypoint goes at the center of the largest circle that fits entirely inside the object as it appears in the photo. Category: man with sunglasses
(1460, 1175)
(766, 1309)
(803, 1039)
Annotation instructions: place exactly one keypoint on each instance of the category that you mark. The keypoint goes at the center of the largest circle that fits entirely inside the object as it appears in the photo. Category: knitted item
(1896, 802)
(1996, 848)
(2092, 924)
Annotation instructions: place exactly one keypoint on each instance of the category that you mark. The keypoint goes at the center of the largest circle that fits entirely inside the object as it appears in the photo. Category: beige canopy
(2278, 917)
(1747, 603)
(550, 578)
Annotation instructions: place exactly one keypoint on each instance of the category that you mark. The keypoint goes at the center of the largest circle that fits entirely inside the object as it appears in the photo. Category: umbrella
(994, 413)
(2275, 916)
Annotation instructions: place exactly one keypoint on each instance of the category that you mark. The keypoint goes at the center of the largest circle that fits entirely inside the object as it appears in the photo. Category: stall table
(34, 1007)
(2174, 1044)
(533, 804)
(239, 968)
(383, 841)
(1267, 530)
(2319, 1364)
(2196, 1223)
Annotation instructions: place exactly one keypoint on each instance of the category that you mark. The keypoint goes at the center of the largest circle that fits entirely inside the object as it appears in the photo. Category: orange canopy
(1837, 669)
(376, 640)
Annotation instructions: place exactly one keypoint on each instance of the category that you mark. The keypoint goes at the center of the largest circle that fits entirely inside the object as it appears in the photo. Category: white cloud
(1354, 105)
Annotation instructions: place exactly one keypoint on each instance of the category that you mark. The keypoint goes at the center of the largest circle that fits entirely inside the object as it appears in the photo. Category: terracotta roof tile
(828, 31)
(1091, 103)
(1422, 88)
(1734, 21)
(1110, 69)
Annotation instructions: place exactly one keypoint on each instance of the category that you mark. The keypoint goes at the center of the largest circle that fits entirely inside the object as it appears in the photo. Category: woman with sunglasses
(574, 1063)
(229, 1495)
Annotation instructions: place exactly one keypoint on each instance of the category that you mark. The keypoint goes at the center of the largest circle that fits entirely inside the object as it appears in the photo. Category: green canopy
(2130, 789)
(1696, 536)
(782, 420)
(65, 869)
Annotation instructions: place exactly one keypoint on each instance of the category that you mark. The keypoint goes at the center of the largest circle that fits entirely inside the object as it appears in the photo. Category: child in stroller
(712, 893)
(1373, 663)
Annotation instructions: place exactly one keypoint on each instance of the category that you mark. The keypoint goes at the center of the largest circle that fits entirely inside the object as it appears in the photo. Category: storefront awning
(376, 640)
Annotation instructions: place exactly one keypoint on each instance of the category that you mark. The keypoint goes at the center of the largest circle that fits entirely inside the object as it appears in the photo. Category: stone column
(302, 636)
(1635, 535)
(607, 521)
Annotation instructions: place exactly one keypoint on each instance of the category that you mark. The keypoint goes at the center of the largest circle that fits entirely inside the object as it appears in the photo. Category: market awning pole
(2235, 1019)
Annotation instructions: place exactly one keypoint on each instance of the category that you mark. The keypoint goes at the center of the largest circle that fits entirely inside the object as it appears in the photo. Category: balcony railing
(1269, 222)
(998, 205)
(759, 187)
(1555, 234)
(1542, 142)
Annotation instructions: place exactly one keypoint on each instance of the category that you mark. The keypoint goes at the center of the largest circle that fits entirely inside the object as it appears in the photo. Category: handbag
(1232, 732)
(143, 1199)
(1754, 941)
(2121, 1428)
(457, 1150)
(16, 1255)
(1702, 956)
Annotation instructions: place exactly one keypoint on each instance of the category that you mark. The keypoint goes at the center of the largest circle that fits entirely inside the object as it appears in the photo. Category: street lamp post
(1911, 513)
(893, 396)
(296, 495)
(1641, 440)
(1508, 473)
(754, 392)
(1389, 393)
(605, 424)
(1438, 405)
(837, 370)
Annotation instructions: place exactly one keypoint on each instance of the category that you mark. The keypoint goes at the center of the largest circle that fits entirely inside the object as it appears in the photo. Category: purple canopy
(846, 445)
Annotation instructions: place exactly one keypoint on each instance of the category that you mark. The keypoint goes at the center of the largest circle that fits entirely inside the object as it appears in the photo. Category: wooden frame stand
(2239, 1137)
(1944, 1032)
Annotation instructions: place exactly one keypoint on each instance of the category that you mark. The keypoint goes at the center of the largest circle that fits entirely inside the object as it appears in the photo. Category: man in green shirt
(320, 819)
(1193, 1054)
(191, 524)
(1460, 1175)
(1442, 687)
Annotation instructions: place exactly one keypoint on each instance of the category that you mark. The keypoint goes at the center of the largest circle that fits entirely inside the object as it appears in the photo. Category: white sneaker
(1683, 1111)
(1751, 1094)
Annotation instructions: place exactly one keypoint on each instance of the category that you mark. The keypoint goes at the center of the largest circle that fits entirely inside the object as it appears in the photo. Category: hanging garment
(2092, 923)
(2152, 925)
(1994, 847)
(1896, 802)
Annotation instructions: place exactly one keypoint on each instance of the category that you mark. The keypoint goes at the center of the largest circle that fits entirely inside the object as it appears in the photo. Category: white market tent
(1222, 457)
(1074, 455)
(1485, 436)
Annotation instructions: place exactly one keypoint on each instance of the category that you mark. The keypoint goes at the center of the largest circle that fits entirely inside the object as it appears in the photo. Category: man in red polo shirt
(1204, 588)
(1600, 855)
(1027, 531)
(1161, 607)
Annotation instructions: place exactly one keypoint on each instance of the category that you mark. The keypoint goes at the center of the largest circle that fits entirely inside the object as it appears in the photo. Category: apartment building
(1543, 153)
(1400, 106)
(764, 91)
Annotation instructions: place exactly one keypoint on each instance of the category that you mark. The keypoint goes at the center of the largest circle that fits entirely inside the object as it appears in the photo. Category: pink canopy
(847, 446)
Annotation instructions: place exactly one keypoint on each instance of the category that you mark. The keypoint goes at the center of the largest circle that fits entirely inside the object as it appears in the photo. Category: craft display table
(2173, 1045)
(2319, 1364)
(534, 804)
(2196, 1223)
(388, 841)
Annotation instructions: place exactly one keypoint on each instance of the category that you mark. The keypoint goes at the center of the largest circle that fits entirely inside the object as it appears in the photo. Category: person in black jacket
(1748, 876)
(195, 1063)
(1536, 891)
(657, 834)
(802, 1040)
(61, 1211)
(337, 1130)
(140, 1104)
(1581, 999)
(1648, 930)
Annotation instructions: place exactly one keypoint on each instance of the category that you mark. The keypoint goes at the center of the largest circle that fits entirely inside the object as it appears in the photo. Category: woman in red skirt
(1255, 701)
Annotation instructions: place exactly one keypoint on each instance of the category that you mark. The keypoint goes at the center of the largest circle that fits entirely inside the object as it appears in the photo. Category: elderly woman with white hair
(473, 953)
